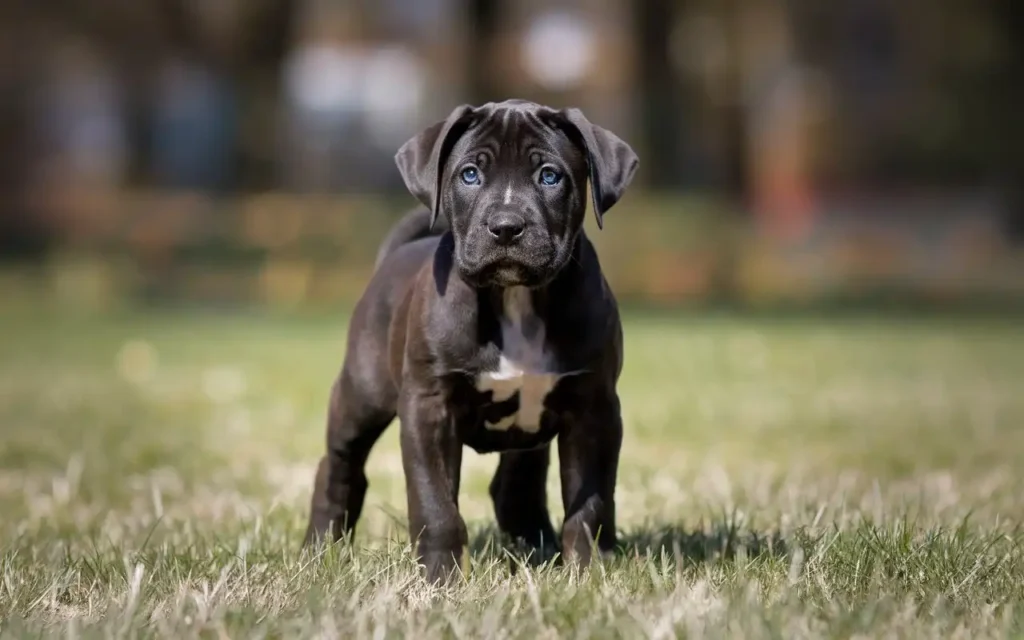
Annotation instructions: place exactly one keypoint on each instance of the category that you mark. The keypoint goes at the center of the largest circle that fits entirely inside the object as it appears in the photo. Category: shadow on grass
(722, 541)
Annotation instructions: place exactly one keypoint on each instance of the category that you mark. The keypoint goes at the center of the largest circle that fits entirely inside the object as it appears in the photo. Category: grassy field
(781, 478)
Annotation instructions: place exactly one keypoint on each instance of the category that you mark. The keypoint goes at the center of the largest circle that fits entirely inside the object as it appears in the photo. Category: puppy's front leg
(588, 450)
(432, 458)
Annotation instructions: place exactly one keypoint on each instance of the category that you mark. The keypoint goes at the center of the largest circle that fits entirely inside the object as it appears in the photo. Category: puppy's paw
(444, 567)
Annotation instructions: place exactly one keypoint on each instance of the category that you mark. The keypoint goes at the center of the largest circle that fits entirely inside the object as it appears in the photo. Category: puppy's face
(511, 179)
(514, 190)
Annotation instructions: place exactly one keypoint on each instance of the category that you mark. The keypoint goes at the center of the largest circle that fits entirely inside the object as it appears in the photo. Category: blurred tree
(662, 114)
(22, 233)
(482, 84)
(1009, 76)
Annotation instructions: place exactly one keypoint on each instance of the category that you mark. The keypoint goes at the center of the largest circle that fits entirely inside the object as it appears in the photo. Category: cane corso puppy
(492, 328)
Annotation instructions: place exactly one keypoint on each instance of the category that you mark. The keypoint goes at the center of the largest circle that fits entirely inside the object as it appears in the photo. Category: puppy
(493, 328)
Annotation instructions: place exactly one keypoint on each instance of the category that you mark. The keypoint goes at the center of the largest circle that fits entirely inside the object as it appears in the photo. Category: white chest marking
(524, 365)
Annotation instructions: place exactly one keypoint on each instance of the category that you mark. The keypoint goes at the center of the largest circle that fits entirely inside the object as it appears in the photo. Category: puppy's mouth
(529, 265)
(508, 273)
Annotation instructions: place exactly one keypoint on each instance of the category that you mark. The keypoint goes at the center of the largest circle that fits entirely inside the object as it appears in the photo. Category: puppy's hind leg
(357, 416)
(519, 492)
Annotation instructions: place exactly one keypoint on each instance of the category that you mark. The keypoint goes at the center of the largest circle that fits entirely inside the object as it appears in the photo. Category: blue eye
(549, 177)
(471, 176)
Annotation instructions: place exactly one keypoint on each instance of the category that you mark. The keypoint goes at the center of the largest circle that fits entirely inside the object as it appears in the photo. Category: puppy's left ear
(421, 159)
(612, 163)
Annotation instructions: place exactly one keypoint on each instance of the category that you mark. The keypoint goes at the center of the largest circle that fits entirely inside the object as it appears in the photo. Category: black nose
(506, 228)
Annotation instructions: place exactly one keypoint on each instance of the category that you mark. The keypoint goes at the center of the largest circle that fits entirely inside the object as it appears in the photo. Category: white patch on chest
(524, 364)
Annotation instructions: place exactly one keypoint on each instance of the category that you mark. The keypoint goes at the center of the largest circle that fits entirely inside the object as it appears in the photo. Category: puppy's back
(413, 226)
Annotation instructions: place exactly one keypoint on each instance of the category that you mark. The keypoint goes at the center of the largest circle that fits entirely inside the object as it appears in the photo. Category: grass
(781, 478)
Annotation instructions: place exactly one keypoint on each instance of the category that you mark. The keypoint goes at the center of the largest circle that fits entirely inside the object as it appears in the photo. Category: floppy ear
(421, 159)
(612, 162)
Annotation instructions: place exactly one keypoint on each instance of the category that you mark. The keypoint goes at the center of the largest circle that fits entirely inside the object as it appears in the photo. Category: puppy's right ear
(421, 159)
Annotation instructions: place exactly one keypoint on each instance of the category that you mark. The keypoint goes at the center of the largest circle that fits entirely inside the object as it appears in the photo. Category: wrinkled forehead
(509, 134)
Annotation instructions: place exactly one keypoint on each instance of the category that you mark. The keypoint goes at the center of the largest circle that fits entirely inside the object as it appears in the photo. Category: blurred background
(241, 151)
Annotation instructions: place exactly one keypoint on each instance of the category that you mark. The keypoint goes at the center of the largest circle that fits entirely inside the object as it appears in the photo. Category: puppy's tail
(412, 226)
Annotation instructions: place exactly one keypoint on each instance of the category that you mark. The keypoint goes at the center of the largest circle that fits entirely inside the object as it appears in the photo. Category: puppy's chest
(526, 372)
(517, 395)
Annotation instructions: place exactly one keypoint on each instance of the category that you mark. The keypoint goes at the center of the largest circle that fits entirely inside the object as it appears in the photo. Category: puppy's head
(511, 179)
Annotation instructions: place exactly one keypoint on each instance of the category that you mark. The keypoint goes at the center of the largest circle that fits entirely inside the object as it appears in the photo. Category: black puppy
(499, 333)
